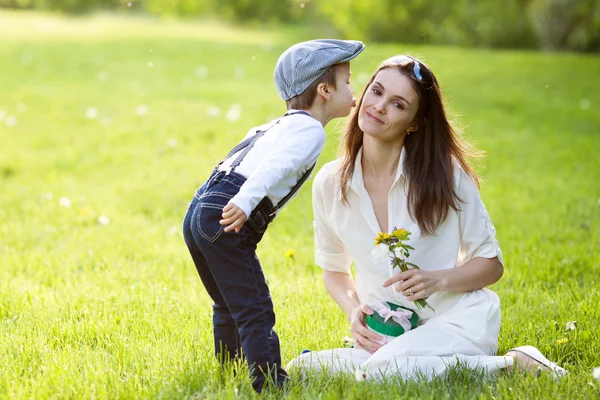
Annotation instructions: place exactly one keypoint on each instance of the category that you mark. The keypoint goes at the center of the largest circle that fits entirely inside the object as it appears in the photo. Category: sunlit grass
(107, 126)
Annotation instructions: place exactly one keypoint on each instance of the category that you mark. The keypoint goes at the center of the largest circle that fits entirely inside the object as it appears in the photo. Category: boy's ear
(323, 90)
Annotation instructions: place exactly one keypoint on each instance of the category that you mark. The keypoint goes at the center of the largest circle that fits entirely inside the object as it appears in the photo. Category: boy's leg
(227, 341)
(239, 276)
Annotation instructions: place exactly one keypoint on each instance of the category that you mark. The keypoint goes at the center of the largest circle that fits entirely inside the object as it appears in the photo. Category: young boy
(231, 211)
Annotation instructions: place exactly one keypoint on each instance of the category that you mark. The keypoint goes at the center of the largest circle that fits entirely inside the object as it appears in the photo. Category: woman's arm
(333, 257)
(341, 288)
(483, 265)
(473, 275)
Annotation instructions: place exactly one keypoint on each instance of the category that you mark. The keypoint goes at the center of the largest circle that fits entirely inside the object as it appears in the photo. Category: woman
(406, 167)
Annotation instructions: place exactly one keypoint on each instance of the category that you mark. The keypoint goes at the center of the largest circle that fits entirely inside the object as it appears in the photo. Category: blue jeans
(243, 316)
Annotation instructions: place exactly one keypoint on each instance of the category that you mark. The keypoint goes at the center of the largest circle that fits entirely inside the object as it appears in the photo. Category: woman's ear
(415, 126)
(323, 91)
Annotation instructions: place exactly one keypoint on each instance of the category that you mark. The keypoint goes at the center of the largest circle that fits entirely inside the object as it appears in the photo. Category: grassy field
(108, 125)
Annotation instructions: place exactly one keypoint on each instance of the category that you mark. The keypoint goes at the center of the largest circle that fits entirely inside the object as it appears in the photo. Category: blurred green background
(544, 24)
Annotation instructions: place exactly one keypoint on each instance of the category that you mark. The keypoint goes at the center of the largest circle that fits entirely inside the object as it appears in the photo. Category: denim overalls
(243, 316)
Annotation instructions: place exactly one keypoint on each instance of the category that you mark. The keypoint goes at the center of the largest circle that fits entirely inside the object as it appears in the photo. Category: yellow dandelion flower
(562, 341)
(289, 254)
(86, 211)
(401, 234)
(382, 237)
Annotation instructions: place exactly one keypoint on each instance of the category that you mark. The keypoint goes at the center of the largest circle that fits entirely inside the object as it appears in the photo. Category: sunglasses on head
(416, 66)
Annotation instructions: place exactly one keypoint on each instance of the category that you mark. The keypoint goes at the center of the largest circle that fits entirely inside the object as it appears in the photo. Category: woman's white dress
(464, 327)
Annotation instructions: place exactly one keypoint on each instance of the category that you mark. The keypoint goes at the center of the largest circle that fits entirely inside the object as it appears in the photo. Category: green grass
(117, 311)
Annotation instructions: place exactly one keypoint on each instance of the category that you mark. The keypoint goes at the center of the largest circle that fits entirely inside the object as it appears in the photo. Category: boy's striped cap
(303, 63)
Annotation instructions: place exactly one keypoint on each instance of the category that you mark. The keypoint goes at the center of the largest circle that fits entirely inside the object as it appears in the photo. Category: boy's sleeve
(330, 253)
(478, 235)
(298, 146)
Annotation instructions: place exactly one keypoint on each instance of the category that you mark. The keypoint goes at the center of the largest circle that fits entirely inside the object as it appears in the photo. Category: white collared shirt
(346, 233)
(278, 159)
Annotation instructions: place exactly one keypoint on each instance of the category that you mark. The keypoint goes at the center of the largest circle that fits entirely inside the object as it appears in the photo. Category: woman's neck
(380, 159)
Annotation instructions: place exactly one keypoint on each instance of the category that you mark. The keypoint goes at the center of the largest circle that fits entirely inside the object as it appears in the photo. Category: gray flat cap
(303, 63)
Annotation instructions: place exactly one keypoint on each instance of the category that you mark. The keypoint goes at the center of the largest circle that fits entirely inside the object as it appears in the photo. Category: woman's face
(389, 106)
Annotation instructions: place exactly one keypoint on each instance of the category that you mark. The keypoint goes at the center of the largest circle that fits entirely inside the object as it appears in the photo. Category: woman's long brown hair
(431, 152)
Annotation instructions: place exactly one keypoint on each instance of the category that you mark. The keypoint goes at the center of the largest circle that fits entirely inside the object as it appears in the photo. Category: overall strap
(247, 144)
(245, 149)
(283, 201)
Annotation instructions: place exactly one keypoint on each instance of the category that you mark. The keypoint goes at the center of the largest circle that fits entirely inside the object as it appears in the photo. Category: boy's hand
(233, 218)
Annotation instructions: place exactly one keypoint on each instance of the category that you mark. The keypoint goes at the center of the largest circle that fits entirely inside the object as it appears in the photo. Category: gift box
(391, 320)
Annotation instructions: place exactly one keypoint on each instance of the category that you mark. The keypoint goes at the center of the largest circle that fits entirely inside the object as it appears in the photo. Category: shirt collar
(293, 110)
(357, 184)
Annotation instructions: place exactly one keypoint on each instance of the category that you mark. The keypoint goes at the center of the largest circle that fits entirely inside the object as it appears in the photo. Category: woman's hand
(417, 284)
(341, 287)
(363, 337)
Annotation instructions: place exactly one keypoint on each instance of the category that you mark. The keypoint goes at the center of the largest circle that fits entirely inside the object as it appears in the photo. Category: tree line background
(572, 25)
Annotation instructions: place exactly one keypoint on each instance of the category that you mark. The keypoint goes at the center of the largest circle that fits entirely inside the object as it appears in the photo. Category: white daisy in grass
(26, 58)
(141, 110)
(234, 113)
(239, 73)
(64, 202)
(201, 72)
(105, 121)
(596, 373)
(171, 142)
(103, 76)
(584, 104)
(91, 113)
(267, 46)
(186, 81)
(103, 220)
(213, 111)
(11, 121)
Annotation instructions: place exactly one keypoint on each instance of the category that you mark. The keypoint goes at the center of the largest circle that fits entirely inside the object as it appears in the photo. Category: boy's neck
(318, 113)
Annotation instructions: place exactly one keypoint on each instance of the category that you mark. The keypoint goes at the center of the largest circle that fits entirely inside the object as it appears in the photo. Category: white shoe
(557, 372)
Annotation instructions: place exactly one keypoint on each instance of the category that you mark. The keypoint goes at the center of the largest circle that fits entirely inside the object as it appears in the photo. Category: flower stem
(420, 303)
